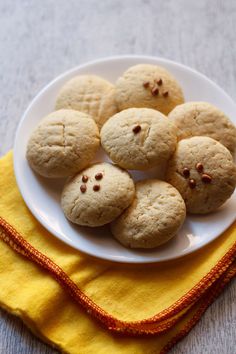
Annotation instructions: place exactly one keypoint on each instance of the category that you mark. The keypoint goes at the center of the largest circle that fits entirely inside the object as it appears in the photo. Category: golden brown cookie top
(97, 195)
(64, 142)
(203, 119)
(149, 86)
(139, 138)
(155, 216)
(204, 173)
(89, 94)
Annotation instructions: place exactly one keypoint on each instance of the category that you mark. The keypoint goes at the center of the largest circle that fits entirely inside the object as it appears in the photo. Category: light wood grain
(40, 39)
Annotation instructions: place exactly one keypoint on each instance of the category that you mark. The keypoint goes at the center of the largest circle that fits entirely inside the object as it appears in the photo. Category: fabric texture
(82, 305)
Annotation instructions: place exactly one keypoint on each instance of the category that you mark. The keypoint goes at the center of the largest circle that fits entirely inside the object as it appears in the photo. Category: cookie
(64, 142)
(97, 195)
(150, 86)
(204, 173)
(89, 94)
(204, 119)
(138, 138)
(155, 216)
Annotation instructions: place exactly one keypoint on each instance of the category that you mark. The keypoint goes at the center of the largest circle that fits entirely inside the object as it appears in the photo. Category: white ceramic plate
(42, 196)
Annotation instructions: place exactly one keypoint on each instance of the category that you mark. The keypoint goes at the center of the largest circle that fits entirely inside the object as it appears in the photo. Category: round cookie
(90, 94)
(203, 119)
(204, 173)
(148, 86)
(155, 216)
(97, 195)
(138, 138)
(64, 142)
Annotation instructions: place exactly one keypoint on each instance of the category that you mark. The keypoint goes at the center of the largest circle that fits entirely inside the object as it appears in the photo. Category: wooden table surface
(42, 38)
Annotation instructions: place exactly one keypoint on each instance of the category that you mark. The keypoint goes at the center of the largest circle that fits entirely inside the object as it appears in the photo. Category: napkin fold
(82, 305)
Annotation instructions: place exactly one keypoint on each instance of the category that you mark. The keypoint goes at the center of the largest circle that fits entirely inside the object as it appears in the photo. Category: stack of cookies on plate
(141, 123)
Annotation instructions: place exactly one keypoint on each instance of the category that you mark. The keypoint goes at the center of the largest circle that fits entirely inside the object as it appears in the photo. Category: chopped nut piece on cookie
(206, 178)
(96, 187)
(85, 178)
(199, 167)
(165, 94)
(98, 176)
(136, 129)
(186, 172)
(192, 183)
(83, 188)
(146, 84)
(155, 91)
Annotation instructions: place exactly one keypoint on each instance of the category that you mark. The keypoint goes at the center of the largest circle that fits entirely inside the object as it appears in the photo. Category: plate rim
(48, 227)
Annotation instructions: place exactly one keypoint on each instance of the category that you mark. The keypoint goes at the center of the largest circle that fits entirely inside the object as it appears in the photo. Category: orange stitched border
(194, 320)
(148, 326)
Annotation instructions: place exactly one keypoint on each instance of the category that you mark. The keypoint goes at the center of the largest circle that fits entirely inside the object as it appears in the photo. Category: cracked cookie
(138, 138)
(204, 173)
(90, 94)
(64, 142)
(155, 216)
(150, 86)
(97, 195)
(204, 119)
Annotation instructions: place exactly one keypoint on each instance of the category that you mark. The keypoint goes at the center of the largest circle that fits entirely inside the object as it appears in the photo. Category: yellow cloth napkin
(85, 306)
